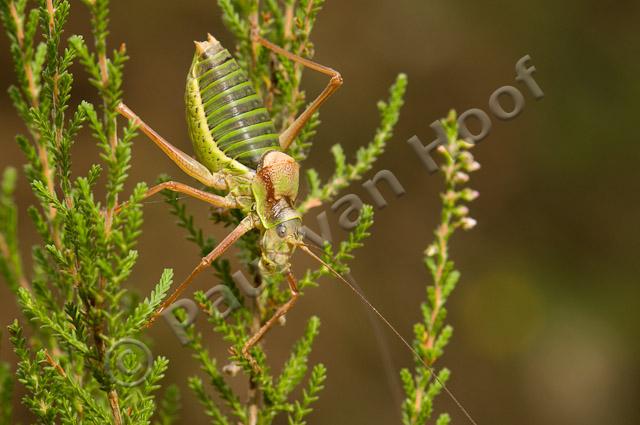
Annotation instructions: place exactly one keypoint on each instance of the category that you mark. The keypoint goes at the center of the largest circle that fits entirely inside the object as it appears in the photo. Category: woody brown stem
(33, 95)
(443, 232)
(33, 91)
(115, 407)
(112, 137)
(254, 392)
(54, 364)
(288, 22)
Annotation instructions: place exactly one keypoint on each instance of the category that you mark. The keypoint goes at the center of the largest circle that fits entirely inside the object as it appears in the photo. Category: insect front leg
(245, 225)
(284, 309)
(289, 135)
(187, 163)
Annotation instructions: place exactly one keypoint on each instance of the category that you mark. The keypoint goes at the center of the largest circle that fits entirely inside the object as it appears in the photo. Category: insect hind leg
(289, 135)
(187, 163)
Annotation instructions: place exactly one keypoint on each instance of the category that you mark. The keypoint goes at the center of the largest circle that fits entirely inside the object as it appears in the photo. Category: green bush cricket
(238, 151)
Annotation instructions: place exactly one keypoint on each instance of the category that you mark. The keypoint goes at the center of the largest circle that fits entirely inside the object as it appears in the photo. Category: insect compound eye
(281, 230)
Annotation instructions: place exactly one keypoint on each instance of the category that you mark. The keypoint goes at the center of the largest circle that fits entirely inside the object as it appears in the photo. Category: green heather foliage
(74, 298)
(432, 335)
(75, 301)
(6, 392)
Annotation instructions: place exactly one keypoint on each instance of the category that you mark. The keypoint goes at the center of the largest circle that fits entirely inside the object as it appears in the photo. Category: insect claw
(148, 324)
(153, 318)
(254, 365)
(248, 357)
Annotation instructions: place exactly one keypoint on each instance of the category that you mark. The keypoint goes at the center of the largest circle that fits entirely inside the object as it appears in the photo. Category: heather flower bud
(461, 211)
(469, 194)
(466, 158)
(461, 177)
(447, 169)
(472, 166)
(463, 144)
(468, 223)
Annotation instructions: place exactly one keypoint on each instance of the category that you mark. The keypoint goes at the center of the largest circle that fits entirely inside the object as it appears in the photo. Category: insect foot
(248, 357)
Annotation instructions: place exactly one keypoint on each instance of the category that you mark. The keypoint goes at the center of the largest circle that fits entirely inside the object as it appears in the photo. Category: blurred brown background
(546, 313)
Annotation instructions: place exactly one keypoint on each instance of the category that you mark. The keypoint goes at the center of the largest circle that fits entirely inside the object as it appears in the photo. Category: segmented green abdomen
(219, 92)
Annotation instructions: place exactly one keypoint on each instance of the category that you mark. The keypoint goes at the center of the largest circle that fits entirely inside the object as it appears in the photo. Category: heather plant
(432, 334)
(6, 393)
(79, 311)
(73, 298)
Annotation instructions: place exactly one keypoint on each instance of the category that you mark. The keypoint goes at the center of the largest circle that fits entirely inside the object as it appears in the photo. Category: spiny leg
(289, 135)
(284, 309)
(245, 225)
(210, 198)
(187, 163)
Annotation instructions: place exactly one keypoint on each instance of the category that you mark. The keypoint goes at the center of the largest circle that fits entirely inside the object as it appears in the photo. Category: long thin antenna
(393, 329)
(389, 367)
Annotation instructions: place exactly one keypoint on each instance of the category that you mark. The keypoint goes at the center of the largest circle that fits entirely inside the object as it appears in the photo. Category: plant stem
(254, 389)
(33, 90)
(112, 137)
(432, 335)
(115, 407)
(33, 94)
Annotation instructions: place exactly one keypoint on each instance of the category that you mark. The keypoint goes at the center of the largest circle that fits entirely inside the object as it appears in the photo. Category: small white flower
(431, 250)
(468, 223)
(231, 369)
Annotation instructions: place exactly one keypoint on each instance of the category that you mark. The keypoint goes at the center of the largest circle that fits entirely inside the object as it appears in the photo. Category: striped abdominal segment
(222, 104)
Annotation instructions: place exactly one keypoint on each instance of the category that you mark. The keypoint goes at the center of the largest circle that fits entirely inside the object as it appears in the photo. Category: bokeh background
(546, 314)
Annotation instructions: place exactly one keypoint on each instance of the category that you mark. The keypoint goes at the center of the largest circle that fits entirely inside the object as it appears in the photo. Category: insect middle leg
(289, 135)
(282, 310)
(187, 163)
(210, 198)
